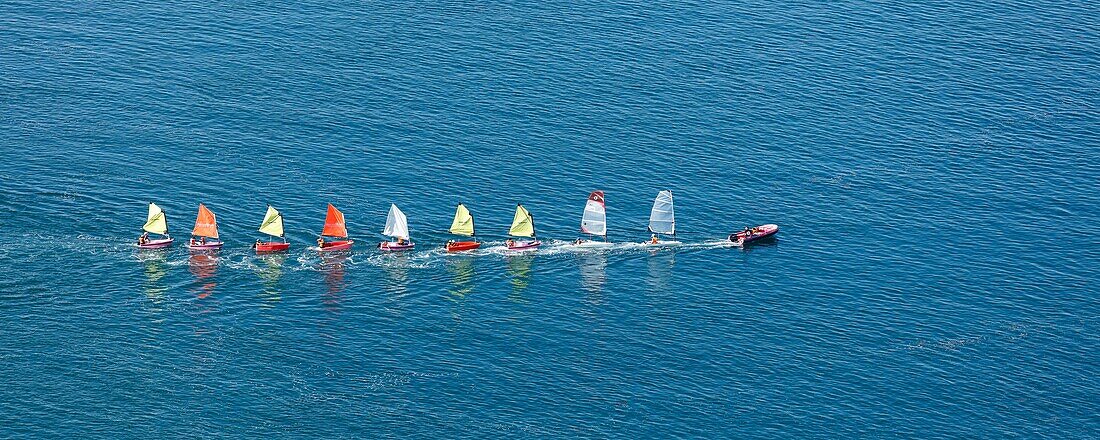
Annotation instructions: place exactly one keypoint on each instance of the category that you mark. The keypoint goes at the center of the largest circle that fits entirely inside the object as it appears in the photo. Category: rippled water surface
(934, 167)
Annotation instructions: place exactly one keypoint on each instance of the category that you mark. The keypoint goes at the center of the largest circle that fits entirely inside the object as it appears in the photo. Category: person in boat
(144, 238)
(510, 243)
(400, 241)
(321, 242)
(578, 241)
(257, 244)
(193, 242)
(203, 240)
(653, 239)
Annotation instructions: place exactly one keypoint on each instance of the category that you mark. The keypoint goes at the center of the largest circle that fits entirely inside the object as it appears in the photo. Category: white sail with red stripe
(594, 220)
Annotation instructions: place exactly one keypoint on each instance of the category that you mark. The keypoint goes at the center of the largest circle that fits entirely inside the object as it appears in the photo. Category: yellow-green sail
(463, 223)
(156, 222)
(273, 222)
(523, 225)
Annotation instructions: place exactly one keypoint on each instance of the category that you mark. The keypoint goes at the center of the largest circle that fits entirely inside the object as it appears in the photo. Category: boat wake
(308, 258)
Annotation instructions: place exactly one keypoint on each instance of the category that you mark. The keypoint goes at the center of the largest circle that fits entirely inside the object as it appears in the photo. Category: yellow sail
(464, 222)
(273, 222)
(523, 225)
(156, 222)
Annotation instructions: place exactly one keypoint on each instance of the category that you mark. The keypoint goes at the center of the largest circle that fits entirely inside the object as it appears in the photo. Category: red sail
(205, 224)
(334, 223)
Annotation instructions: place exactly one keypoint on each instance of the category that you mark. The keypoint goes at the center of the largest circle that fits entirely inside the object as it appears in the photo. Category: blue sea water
(934, 167)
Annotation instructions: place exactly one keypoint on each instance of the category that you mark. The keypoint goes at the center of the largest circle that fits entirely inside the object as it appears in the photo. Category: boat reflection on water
(156, 262)
(593, 268)
(462, 277)
(396, 267)
(461, 269)
(270, 271)
(332, 264)
(763, 243)
(660, 270)
(519, 267)
(204, 266)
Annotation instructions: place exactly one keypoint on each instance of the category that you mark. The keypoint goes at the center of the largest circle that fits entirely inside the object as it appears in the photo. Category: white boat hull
(593, 244)
(663, 243)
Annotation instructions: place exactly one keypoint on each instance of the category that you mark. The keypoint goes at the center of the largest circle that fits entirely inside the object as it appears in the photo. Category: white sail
(662, 219)
(594, 220)
(397, 225)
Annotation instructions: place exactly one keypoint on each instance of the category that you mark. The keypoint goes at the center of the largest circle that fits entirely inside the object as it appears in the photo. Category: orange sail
(334, 223)
(205, 224)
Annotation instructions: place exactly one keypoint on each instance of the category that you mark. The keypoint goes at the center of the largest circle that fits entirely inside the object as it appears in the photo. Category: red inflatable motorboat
(754, 234)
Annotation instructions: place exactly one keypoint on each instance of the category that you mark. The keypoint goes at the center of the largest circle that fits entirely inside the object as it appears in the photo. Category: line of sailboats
(334, 233)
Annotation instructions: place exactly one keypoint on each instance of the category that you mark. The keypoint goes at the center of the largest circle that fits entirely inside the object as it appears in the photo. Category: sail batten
(156, 221)
(463, 223)
(397, 225)
(334, 223)
(523, 224)
(272, 223)
(594, 219)
(206, 224)
(662, 218)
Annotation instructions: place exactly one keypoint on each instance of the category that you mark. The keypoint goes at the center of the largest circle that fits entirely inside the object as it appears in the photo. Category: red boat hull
(341, 245)
(762, 232)
(272, 246)
(459, 246)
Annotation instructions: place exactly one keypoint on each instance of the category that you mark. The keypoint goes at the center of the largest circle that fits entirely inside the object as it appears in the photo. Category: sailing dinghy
(523, 225)
(463, 224)
(397, 226)
(156, 223)
(662, 220)
(272, 225)
(594, 221)
(206, 226)
(335, 228)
